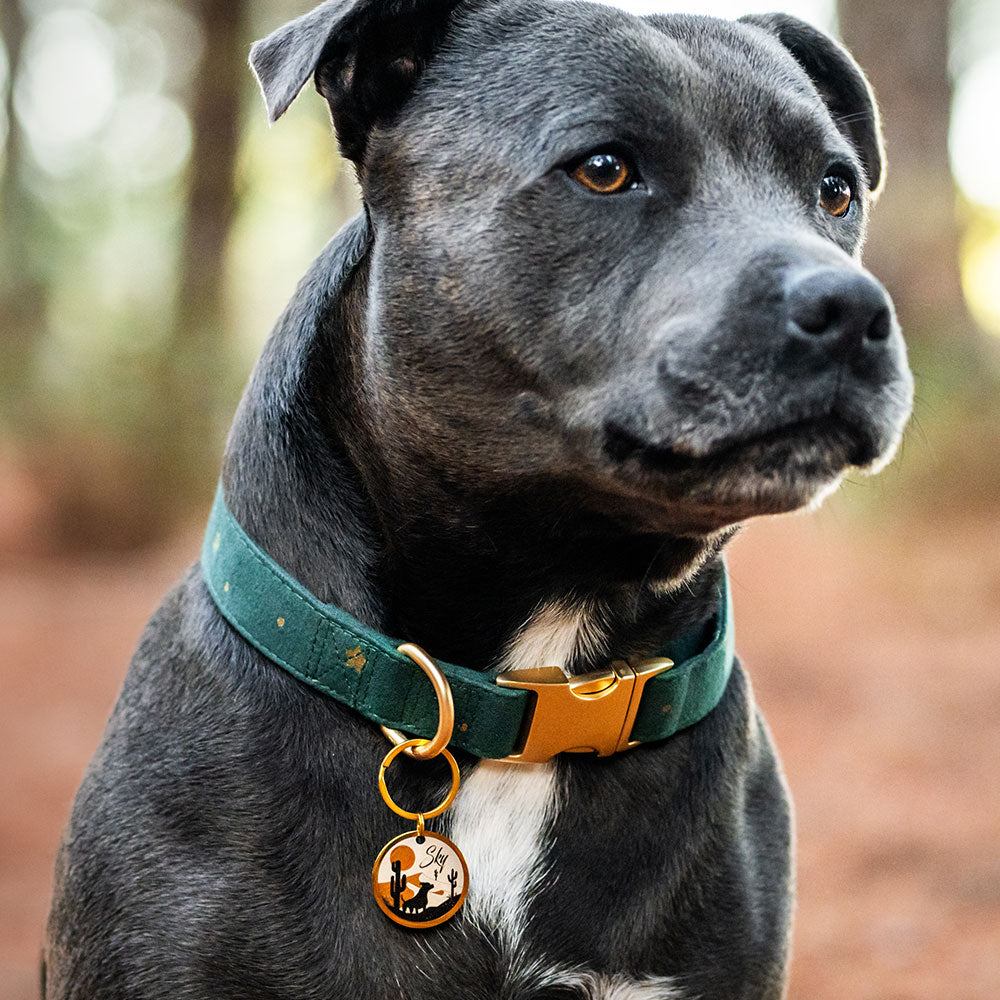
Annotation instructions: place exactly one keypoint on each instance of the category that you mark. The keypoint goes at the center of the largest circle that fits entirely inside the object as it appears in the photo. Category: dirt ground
(873, 654)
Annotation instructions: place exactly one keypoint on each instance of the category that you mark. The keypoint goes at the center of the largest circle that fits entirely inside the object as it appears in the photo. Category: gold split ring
(425, 749)
(421, 816)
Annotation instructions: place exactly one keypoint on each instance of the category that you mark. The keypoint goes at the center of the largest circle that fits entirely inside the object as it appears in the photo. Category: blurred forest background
(151, 233)
(151, 229)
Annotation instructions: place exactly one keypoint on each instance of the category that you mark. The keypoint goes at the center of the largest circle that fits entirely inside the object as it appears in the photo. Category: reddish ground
(875, 661)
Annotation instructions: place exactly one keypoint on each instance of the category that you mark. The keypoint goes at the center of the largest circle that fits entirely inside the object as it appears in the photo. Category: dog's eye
(835, 195)
(604, 173)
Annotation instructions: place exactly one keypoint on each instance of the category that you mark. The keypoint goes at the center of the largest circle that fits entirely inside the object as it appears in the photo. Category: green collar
(328, 649)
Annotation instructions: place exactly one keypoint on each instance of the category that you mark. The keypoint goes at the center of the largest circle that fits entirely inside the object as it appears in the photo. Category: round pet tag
(420, 880)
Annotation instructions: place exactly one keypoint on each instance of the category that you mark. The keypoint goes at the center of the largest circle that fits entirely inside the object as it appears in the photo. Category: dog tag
(420, 880)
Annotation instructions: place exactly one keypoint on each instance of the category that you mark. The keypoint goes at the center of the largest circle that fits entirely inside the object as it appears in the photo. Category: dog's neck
(413, 557)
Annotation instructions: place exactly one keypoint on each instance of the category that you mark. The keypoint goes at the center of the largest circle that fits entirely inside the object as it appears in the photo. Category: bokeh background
(152, 227)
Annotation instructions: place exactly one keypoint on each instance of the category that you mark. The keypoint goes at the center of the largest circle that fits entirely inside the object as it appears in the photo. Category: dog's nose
(843, 311)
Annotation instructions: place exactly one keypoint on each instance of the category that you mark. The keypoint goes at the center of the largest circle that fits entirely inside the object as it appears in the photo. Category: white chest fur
(502, 821)
(504, 812)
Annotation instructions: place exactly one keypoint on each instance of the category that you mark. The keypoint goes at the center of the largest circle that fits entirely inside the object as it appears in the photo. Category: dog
(603, 305)
(418, 901)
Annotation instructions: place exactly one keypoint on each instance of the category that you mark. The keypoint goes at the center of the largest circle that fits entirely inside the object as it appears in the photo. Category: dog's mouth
(770, 472)
(830, 438)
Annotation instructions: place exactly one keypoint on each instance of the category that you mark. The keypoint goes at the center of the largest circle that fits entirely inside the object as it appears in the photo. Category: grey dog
(603, 305)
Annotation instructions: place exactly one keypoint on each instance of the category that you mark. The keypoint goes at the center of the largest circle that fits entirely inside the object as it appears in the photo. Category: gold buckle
(591, 713)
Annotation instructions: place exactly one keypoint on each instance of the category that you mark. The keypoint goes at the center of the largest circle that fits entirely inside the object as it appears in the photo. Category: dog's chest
(504, 819)
(503, 816)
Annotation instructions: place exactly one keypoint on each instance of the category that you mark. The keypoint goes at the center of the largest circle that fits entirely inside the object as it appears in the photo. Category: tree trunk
(215, 117)
(194, 372)
(914, 243)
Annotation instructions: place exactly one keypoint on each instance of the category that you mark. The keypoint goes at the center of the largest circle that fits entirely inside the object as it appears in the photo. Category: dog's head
(616, 253)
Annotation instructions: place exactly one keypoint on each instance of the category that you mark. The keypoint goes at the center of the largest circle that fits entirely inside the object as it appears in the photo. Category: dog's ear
(840, 82)
(364, 55)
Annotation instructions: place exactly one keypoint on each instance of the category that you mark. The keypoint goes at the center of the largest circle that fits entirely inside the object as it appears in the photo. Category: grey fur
(493, 391)
(285, 60)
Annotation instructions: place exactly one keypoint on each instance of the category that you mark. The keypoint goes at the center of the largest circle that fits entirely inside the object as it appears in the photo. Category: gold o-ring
(421, 816)
(425, 749)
